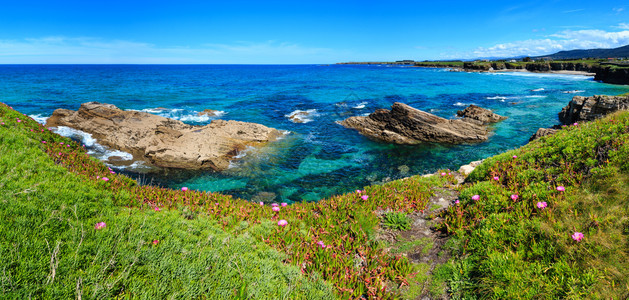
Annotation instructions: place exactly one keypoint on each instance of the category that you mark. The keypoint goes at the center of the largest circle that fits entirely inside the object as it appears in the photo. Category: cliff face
(591, 108)
(609, 74)
(603, 73)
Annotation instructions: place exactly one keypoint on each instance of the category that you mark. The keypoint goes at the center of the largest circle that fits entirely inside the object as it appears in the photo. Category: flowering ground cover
(548, 220)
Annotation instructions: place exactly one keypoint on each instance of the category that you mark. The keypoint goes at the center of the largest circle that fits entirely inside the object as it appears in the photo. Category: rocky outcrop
(161, 141)
(543, 132)
(479, 115)
(406, 125)
(612, 74)
(590, 108)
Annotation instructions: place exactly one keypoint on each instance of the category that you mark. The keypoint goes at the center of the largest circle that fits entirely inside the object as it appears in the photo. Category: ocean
(317, 158)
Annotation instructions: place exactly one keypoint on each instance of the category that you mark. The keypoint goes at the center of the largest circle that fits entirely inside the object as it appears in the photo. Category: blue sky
(296, 32)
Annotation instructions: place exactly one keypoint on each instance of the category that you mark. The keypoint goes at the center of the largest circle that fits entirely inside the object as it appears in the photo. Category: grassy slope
(506, 249)
(49, 247)
(512, 249)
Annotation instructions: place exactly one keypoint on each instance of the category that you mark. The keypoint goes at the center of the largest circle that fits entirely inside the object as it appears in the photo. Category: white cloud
(564, 40)
(618, 9)
(59, 49)
(622, 26)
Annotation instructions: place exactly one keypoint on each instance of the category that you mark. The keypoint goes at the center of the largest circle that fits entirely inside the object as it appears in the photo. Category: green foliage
(50, 248)
(512, 249)
(396, 220)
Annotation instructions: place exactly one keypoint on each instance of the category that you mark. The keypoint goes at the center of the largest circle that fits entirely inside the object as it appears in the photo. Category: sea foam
(302, 116)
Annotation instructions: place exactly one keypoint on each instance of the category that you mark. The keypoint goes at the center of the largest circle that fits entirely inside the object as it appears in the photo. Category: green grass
(512, 249)
(50, 248)
(214, 246)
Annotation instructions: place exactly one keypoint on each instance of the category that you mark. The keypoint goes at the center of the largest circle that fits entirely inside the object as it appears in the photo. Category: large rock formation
(480, 115)
(590, 108)
(161, 141)
(406, 125)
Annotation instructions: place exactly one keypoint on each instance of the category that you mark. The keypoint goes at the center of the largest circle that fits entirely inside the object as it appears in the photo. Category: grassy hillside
(519, 237)
(160, 243)
(50, 248)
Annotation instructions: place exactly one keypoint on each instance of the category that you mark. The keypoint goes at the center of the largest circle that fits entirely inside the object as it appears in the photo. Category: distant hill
(594, 53)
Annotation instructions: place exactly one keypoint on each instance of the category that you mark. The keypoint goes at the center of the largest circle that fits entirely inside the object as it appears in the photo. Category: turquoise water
(317, 158)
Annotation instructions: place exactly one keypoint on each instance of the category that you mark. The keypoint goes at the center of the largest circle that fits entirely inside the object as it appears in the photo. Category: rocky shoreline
(165, 142)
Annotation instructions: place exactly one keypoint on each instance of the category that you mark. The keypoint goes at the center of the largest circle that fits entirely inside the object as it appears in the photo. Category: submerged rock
(161, 141)
(591, 108)
(209, 113)
(406, 125)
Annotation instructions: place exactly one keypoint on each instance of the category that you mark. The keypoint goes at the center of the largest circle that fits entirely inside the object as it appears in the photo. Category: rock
(299, 116)
(590, 108)
(208, 112)
(161, 141)
(479, 114)
(406, 125)
(467, 169)
(543, 132)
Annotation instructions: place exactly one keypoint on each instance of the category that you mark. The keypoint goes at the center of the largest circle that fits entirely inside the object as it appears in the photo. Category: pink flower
(561, 188)
(449, 173)
(67, 145)
(276, 208)
(515, 156)
(443, 174)
(183, 189)
(105, 179)
(321, 244)
(542, 205)
(100, 225)
(364, 197)
(284, 204)
(575, 124)
(358, 191)
(514, 197)
(157, 208)
(60, 143)
(18, 120)
(456, 201)
(275, 205)
(282, 223)
(496, 178)
(577, 236)
(155, 242)
(261, 203)
(112, 172)
(43, 142)
(476, 197)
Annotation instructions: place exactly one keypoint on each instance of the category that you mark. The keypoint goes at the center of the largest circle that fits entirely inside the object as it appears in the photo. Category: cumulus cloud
(59, 49)
(564, 40)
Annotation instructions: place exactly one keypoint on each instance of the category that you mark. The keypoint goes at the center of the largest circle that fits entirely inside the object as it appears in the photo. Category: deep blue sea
(318, 158)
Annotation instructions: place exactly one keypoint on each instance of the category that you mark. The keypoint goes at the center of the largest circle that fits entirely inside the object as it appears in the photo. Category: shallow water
(318, 158)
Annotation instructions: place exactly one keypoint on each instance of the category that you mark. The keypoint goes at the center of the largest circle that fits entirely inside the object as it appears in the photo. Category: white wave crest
(39, 118)
(460, 104)
(302, 116)
(537, 90)
(360, 105)
(85, 138)
(182, 114)
(573, 92)
(501, 98)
